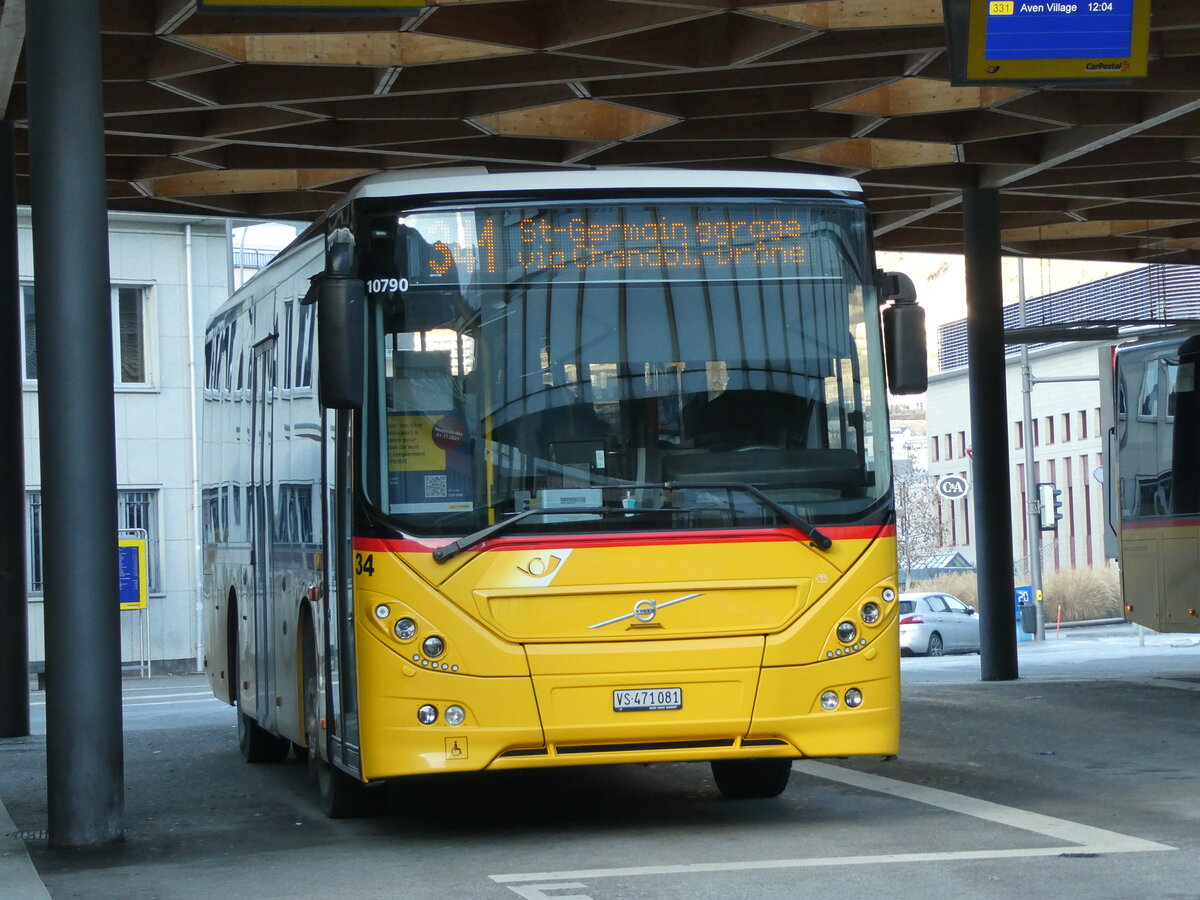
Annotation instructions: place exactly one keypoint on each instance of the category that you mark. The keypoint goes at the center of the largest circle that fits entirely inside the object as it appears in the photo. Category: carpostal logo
(1107, 66)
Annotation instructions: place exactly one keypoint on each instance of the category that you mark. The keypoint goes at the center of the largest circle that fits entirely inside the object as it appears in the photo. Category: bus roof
(480, 181)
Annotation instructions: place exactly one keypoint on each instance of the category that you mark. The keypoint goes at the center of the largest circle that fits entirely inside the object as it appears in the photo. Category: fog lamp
(846, 632)
(888, 595)
(434, 646)
(870, 612)
(455, 715)
(829, 700)
(382, 612)
(854, 698)
(427, 714)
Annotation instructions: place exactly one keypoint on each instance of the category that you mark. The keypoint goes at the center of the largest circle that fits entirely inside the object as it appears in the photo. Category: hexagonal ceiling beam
(576, 120)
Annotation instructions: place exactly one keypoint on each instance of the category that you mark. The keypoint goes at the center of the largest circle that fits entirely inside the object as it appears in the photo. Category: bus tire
(342, 797)
(746, 779)
(257, 744)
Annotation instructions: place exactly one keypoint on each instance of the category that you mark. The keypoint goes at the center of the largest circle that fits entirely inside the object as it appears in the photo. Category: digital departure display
(1029, 40)
(604, 243)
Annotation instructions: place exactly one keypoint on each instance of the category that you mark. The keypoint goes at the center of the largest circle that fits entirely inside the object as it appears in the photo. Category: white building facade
(1068, 450)
(167, 274)
(1065, 429)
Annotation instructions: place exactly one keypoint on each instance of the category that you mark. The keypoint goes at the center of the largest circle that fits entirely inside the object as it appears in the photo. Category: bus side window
(1148, 402)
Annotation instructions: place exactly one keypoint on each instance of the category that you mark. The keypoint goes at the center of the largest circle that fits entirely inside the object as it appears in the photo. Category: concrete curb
(19, 880)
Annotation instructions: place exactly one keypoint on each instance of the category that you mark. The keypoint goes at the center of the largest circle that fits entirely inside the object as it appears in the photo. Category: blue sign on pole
(1023, 596)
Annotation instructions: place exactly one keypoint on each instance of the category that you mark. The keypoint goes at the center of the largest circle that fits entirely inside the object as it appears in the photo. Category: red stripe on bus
(1178, 522)
(646, 539)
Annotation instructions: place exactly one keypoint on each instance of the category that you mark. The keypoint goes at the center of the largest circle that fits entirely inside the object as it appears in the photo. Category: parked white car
(932, 624)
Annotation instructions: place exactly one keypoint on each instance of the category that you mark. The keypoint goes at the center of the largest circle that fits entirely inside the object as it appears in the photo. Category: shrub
(963, 586)
(1083, 594)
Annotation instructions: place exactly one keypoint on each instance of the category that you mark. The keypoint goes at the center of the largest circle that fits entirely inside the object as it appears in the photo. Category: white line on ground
(1081, 838)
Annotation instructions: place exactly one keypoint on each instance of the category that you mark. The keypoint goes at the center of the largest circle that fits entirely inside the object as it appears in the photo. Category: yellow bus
(508, 470)
(1151, 482)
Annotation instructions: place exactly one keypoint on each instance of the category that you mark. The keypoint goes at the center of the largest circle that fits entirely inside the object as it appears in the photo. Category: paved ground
(1079, 779)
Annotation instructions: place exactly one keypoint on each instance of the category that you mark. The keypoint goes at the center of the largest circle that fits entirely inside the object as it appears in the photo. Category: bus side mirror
(341, 331)
(903, 335)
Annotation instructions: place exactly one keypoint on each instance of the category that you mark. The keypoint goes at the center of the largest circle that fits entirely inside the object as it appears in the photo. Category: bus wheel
(257, 744)
(342, 797)
(742, 779)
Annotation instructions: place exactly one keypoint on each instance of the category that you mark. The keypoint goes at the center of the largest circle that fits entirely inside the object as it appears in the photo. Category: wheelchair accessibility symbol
(456, 748)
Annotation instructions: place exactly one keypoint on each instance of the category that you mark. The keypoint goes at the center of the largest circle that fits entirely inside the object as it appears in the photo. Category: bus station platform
(1077, 779)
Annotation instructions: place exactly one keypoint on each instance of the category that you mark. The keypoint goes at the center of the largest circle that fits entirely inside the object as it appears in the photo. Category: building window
(1034, 435)
(933, 448)
(138, 511)
(962, 444)
(1083, 423)
(130, 334)
(135, 510)
(1066, 428)
(1049, 429)
(33, 543)
(1019, 430)
(29, 327)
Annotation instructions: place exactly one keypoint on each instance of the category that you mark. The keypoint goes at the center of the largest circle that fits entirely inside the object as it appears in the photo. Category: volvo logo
(645, 610)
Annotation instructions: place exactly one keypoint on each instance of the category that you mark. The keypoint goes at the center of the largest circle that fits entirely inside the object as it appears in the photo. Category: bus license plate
(635, 699)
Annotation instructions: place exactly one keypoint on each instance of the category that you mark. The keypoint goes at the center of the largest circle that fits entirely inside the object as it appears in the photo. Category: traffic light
(1049, 506)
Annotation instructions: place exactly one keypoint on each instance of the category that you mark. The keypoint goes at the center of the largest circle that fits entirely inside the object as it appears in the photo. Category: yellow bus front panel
(742, 664)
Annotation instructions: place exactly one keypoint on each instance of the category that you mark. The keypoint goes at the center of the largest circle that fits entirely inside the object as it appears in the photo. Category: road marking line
(1165, 682)
(1048, 826)
(131, 702)
(1081, 838)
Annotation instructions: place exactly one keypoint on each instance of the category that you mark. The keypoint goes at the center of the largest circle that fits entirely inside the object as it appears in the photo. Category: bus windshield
(638, 357)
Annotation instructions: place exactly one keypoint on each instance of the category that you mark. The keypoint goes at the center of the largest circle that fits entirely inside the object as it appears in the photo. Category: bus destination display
(600, 244)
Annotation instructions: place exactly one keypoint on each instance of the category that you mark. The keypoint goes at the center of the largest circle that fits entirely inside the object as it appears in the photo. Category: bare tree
(919, 532)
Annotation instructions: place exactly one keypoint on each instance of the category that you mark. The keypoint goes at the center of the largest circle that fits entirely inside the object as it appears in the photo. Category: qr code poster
(435, 486)
(429, 463)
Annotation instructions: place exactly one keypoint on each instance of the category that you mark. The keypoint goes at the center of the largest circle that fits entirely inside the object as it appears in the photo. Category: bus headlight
(854, 698)
(433, 646)
(846, 632)
(405, 629)
(382, 611)
(870, 612)
(455, 715)
(829, 700)
(427, 714)
(888, 595)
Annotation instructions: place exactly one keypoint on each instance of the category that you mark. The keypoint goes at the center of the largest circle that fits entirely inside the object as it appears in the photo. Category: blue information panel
(131, 570)
(1014, 40)
(1079, 30)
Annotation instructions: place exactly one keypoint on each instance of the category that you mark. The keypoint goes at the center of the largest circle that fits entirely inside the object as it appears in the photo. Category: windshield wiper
(801, 524)
(809, 530)
(441, 554)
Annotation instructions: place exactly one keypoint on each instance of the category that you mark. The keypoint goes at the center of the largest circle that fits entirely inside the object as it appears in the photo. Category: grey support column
(14, 614)
(84, 755)
(989, 434)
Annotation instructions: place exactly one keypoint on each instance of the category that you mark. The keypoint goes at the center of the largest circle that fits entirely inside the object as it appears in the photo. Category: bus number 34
(364, 564)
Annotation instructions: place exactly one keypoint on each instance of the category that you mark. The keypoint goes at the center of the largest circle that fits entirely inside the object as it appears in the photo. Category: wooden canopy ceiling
(274, 117)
